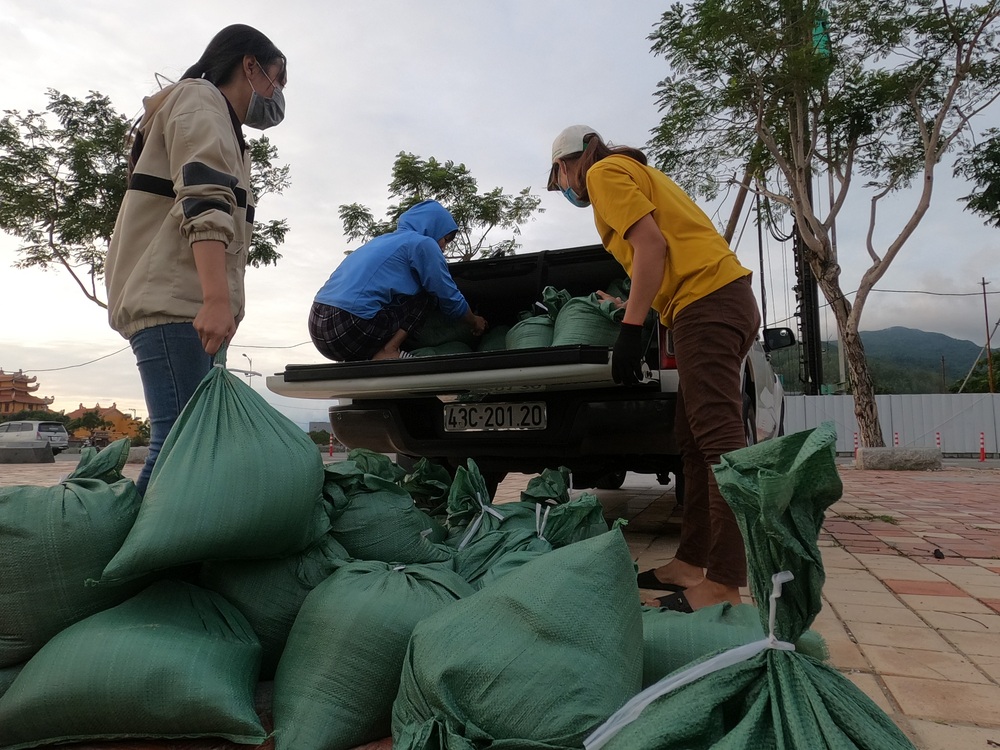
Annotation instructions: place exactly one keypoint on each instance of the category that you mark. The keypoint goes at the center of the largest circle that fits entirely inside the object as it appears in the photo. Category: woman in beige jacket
(178, 253)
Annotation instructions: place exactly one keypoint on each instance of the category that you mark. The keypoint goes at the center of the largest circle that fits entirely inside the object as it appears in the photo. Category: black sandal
(676, 603)
(647, 580)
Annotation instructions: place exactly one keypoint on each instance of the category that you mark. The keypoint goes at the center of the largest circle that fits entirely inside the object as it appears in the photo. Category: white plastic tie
(631, 710)
(484, 508)
(243, 372)
(399, 567)
(541, 519)
(426, 533)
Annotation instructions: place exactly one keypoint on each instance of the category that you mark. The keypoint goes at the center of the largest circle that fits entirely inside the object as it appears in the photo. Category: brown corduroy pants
(711, 338)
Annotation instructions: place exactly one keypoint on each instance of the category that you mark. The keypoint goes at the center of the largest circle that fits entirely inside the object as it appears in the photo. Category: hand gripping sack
(52, 539)
(172, 661)
(235, 479)
(536, 660)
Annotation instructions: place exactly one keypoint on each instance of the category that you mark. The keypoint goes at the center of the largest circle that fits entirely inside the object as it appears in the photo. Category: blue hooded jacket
(405, 262)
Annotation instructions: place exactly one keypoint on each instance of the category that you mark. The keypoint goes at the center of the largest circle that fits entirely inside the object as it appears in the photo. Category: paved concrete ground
(918, 633)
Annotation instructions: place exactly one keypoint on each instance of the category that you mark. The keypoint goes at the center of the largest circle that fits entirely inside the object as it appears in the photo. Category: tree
(978, 380)
(61, 187)
(981, 166)
(415, 180)
(765, 94)
(39, 415)
(90, 421)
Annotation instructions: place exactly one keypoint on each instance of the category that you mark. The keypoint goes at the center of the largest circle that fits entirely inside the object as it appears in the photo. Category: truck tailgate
(475, 374)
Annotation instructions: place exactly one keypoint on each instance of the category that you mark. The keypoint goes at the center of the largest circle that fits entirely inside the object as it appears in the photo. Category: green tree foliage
(477, 214)
(90, 421)
(40, 415)
(62, 182)
(978, 380)
(981, 166)
(767, 95)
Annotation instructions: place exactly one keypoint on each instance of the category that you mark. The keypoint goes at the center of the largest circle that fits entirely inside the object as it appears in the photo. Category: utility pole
(944, 376)
(250, 374)
(807, 296)
(989, 354)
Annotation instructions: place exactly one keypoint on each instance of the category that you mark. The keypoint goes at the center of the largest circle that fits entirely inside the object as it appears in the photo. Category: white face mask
(265, 112)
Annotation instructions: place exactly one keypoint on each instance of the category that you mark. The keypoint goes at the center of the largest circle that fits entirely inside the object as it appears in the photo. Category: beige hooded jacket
(190, 182)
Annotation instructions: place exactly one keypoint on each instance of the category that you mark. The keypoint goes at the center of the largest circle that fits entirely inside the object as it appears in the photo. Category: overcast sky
(488, 84)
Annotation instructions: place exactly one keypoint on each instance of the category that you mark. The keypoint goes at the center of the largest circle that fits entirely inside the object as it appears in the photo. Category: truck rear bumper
(619, 432)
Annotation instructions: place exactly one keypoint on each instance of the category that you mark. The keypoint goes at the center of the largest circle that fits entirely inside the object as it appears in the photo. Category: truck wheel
(677, 480)
(611, 481)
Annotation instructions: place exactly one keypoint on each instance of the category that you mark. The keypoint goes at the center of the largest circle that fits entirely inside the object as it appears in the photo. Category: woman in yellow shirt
(683, 268)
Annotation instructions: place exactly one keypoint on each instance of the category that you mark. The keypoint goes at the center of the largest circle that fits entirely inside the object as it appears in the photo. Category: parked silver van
(53, 433)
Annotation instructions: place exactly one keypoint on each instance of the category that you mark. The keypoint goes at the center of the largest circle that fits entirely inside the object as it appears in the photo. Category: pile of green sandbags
(54, 538)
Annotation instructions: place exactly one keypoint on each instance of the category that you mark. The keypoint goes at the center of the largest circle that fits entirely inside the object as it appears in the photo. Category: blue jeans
(172, 362)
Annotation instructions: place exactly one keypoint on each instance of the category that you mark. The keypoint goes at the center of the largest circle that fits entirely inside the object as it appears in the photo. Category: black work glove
(626, 357)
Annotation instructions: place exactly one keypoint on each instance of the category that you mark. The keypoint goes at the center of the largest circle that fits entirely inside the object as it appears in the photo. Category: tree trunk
(865, 409)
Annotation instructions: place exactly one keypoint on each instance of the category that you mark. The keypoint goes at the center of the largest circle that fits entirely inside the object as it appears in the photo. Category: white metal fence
(954, 423)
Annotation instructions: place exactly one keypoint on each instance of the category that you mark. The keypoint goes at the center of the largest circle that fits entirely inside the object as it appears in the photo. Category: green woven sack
(173, 661)
(340, 672)
(269, 593)
(508, 562)
(766, 694)
(428, 484)
(7, 677)
(494, 340)
(377, 520)
(235, 479)
(52, 539)
(530, 333)
(379, 464)
(480, 555)
(587, 320)
(106, 464)
(536, 660)
(438, 329)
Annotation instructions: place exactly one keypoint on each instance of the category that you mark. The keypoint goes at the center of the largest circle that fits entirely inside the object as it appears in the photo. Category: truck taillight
(667, 359)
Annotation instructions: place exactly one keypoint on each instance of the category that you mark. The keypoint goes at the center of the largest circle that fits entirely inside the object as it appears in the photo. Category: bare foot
(386, 353)
(680, 573)
(708, 592)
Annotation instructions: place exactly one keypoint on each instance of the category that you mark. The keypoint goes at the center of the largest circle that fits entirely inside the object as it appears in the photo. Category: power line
(119, 351)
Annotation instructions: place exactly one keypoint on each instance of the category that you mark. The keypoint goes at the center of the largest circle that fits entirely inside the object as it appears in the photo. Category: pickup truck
(525, 410)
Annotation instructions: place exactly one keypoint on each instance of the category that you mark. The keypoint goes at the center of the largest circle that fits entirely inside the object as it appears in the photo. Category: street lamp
(249, 374)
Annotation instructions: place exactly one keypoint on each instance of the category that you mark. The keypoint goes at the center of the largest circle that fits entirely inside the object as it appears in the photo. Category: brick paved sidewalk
(918, 632)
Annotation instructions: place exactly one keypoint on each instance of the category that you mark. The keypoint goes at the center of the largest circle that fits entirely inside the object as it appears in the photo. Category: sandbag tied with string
(52, 539)
(340, 671)
(534, 661)
(497, 548)
(765, 694)
(588, 320)
(235, 479)
(376, 519)
(536, 325)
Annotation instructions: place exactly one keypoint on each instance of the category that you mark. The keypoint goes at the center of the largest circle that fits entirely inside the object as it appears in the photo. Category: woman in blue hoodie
(385, 288)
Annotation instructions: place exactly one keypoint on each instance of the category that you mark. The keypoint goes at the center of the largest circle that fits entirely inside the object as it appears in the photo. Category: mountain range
(902, 360)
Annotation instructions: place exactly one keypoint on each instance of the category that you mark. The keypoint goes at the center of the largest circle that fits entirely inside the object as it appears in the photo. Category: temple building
(16, 391)
(122, 425)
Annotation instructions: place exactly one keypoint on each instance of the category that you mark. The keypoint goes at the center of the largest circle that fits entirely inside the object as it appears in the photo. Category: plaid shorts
(344, 337)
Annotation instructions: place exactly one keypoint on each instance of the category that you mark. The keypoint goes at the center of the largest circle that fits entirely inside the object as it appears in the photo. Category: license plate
(529, 415)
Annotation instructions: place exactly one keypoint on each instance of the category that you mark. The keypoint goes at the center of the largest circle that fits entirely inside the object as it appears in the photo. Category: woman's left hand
(605, 297)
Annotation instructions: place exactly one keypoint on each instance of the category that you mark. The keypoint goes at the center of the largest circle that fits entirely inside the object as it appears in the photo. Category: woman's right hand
(215, 325)
(479, 325)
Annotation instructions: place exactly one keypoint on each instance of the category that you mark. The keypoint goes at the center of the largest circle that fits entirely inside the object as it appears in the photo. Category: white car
(53, 434)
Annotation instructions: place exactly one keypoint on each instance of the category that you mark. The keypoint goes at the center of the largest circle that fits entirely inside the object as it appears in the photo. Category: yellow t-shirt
(699, 261)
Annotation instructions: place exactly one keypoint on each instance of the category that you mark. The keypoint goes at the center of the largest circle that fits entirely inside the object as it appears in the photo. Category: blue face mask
(573, 198)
